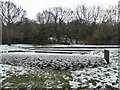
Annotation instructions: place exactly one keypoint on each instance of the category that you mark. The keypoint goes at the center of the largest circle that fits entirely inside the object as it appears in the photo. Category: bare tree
(61, 15)
(110, 14)
(10, 14)
(96, 14)
(40, 18)
(83, 14)
(65, 15)
(44, 17)
(55, 12)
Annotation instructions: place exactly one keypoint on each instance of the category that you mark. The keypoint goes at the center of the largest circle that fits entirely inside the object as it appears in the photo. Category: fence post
(0, 48)
(0, 33)
(106, 56)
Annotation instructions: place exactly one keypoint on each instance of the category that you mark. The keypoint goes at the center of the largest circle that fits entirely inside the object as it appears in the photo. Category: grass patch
(40, 79)
(93, 81)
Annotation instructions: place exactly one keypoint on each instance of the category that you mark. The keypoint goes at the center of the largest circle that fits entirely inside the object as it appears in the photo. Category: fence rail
(87, 47)
(106, 52)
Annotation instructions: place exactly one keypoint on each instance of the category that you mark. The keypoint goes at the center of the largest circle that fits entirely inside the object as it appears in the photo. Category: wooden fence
(67, 50)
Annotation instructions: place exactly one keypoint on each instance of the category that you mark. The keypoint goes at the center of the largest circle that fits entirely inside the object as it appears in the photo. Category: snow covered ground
(6, 48)
(106, 76)
(58, 45)
(7, 70)
(51, 60)
(98, 77)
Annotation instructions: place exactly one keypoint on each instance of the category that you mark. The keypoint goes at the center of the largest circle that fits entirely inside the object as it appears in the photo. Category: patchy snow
(100, 76)
(8, 70)
(52, 61)
(22, 45)
(74, 84)
(76, 45)
(6, 48)
(97, 77)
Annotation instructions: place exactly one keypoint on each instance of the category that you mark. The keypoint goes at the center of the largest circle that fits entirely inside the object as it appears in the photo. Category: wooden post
(106, 56)
(0, 42)
(0, 33)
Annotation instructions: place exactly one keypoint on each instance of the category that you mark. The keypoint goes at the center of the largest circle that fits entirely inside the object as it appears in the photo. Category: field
(21, 75)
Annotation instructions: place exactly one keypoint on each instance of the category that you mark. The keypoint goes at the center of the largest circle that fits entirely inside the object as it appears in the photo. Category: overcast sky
(34, 6)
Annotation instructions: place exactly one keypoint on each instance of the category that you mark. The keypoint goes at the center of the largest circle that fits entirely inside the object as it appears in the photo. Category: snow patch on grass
(8, 70)
(98, 77)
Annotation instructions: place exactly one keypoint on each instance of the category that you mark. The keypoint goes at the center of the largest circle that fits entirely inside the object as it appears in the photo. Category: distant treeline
(60, 25)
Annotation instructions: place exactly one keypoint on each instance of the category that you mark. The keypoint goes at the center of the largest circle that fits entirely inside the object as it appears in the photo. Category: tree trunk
(8, 35)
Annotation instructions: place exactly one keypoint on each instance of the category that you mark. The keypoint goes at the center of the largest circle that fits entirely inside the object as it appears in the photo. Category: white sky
(34, 6)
